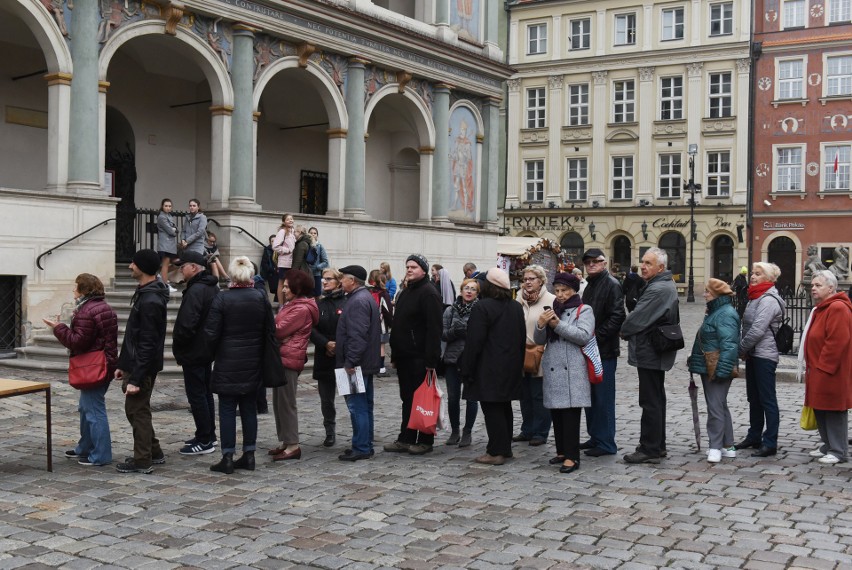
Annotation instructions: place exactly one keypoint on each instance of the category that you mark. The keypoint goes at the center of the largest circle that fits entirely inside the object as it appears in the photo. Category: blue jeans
(536, 419)
(762, 403)
(454, 390)
(600, 418)
(196, 382)
(228, 421)
(95, 442)
(361, 413)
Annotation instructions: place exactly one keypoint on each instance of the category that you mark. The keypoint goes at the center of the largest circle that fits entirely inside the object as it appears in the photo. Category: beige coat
(533, 312)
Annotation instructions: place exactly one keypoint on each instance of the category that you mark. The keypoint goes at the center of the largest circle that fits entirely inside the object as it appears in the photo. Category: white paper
(348, 384)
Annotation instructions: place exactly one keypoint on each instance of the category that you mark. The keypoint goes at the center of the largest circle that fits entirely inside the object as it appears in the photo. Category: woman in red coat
(298, 314)
(827, 350)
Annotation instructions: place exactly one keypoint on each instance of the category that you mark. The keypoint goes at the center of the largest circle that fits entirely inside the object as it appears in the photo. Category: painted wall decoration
(465, 18)
(464, 169)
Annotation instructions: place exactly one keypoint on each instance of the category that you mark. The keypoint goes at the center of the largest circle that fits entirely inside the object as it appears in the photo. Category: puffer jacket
(657, 305)
(566, 375)
(195, 232)
(234, 334)
(187, 342)
(719, 331)
(455, 332)
(300, 251)
(166, 233)
(603, 293)
(761, 319)
(94, 327)
(330, 308)
(293, 325)
(141, 352)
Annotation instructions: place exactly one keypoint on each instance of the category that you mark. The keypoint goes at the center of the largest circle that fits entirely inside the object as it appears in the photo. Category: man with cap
(188, 348)
(603, 294)
(416, 347)
(141, 359)
(359, 343)
(741, 290)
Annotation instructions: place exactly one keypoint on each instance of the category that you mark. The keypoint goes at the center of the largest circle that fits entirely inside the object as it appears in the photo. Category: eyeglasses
(593, 261)
(470, 288)
(329, 279)
(527, 279)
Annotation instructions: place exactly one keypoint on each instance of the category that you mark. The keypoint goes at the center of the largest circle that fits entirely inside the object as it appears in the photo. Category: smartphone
(547, 308)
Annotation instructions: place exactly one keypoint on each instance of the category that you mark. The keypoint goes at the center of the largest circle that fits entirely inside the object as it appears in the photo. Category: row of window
(794, 13)
(790, 168)
(624, 101)
(792, 72)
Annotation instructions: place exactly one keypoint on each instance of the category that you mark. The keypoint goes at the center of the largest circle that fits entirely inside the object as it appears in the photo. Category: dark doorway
(723, 259)
(120, 154)
(621, 248)
(674, 245)
(11, 312)
(313, 193)
(572, 247)
(782, 252)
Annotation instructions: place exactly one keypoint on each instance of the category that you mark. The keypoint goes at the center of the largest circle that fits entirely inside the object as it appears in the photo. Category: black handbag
(666, 338)
(272, 369)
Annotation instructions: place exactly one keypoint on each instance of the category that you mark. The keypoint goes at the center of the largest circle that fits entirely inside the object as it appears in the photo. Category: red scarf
(755, 291)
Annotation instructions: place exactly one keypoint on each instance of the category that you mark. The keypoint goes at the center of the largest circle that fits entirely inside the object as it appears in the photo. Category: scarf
(559, 308)
(463, 309)
(531, 298)
(755, 291)
(235, 285)
(800, 359)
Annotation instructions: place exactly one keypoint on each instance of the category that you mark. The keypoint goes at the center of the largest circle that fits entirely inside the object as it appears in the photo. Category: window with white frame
(578, 104)
(838, 80)
(536, 107)
(720, 95)
(839, 11)
(791, 79)
(722, 19)
(624, 101)
(534, 180)
(671, 98)
(578, 179)
(672, 24)
(670, 176)
(625, 29)
(718, 174)
(536, 39)
(793, 14)
(836, 163)
(581, 34)
(622, 178)
(788, 174)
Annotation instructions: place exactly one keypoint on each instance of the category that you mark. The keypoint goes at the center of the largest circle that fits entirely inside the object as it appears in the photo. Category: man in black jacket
(190, 353)
(603, 293)
(631, 287)
(141, 359)
(415, 347)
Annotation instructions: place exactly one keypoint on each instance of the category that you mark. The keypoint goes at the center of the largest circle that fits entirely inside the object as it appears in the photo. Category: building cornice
(782, 44)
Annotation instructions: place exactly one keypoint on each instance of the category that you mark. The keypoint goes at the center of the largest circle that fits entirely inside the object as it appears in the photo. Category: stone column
(513, 161)
(442, 22)
(58, 115)
(739, 175)
(242, 191)
(599, 165)
(355, 199)
(336, 164)
(555, 39)
(220, 164)
(441, 165)
(490, 173)
(645, 164)
(646, 29)
(600, 36)
(695, 108)
(83, 174)
(427, 156)
(492, 43)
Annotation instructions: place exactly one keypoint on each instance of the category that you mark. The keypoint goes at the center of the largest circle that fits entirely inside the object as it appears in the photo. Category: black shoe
(348, 451)
(640, 457)
(557, 460)
(263, 409)
(746, 444)
(225, 466)
(537, 441)
(765, 452)
(587, 444)
(246, 461)
(132, 467)
(521, 437)
(329, 440)
(571, 468)
(354, 456)
(155, 459)
(598, 452)
(72, 454)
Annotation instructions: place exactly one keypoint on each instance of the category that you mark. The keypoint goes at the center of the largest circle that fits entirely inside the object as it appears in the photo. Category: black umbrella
(693, 396)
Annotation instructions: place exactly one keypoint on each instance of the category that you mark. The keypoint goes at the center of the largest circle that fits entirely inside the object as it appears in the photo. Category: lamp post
(692, 188)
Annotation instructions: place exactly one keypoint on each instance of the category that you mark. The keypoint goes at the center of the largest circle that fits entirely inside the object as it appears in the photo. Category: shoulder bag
(87, 370)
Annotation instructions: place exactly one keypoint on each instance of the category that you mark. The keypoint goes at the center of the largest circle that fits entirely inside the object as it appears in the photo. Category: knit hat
(567, 279)
(744, 270)
(420, 260)
(147, 260)
(355, 271)
(719, 288)
(496, 276)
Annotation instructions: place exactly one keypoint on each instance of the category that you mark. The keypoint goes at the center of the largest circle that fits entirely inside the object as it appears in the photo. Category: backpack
(311, 256)
(784, 334)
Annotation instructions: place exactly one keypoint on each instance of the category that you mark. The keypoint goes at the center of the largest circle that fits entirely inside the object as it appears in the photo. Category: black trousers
(411, 373)
(566, 431)
(652, 400)
(498, 425)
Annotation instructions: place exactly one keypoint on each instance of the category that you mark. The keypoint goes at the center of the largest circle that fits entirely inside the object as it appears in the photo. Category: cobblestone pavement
(435, 511)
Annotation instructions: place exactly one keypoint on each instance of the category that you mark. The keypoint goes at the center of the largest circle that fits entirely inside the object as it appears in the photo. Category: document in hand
(348, 384)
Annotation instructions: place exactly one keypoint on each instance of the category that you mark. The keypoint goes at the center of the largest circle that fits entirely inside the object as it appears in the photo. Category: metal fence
(145, 227)
(799, 304)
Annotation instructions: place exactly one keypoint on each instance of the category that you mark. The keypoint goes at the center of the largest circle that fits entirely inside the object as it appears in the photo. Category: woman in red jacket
(827, 351)
(94, 327)
(298, 314)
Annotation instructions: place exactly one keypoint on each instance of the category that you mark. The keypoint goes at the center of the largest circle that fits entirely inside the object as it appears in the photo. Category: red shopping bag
(426, 405)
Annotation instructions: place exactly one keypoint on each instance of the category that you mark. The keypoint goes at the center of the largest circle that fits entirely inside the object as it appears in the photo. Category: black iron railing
(799, 304)
(69, 240)
(145, 227)
(239, 229)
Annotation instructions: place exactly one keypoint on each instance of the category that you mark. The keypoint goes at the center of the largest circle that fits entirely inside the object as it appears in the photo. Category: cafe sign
(545, 223)
(791, 226)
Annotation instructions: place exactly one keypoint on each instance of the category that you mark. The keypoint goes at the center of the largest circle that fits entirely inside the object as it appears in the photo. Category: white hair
(828, 277)
(241, 270)
(771, 270)
(661, 256)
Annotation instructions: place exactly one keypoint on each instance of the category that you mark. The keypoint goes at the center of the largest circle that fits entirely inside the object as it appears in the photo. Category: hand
(50, 323)
(132, 390)
(330, 348)
(119, 374)
(545, 317)
(183, 242)
(350, 371)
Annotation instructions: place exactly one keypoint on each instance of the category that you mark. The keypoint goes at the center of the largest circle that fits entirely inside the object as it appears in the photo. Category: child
(211, 253)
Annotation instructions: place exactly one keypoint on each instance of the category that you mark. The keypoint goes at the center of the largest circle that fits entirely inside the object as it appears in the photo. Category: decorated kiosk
(516, 253)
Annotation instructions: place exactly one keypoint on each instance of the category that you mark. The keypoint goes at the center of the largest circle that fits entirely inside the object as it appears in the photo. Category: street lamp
(692, 188)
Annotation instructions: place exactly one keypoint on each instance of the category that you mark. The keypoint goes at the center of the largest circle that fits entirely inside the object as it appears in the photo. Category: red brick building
(802, 134)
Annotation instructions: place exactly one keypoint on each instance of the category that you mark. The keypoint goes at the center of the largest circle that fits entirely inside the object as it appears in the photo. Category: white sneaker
(817, 452)
(729, 452)
(714, 455)
(383, 370)
(828, 459)
(172, 289)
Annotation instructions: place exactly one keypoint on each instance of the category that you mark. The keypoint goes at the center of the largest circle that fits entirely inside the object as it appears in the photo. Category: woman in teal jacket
(715, 357)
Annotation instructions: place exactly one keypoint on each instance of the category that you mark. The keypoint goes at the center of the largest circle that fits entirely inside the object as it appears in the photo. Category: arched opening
(621, 254)
(674, 245)
(120, 162)
(405, 175)
(782, 252)
(723, 258)
(572, 246)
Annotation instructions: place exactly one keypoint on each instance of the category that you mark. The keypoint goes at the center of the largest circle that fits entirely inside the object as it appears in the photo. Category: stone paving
(435, 511)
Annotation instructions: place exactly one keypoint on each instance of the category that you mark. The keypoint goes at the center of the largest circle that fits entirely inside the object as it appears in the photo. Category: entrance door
(674, 244)
(572, 247)
(120, 160)
(313, 194)
(782, 252)
(723, 259)
(621, 248)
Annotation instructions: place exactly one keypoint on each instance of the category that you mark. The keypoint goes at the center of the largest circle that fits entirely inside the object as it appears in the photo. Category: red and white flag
(836, 161)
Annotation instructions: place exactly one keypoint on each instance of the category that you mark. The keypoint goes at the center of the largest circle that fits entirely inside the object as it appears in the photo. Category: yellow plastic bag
(808, 419)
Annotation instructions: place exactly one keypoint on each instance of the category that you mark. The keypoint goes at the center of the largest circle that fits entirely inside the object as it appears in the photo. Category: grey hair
(241, 269)
(771, 270)
(536, 270)
(827, 276)
(661, 256)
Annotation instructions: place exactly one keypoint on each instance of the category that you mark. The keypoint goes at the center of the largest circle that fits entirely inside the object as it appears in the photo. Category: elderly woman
(761, 319)
(323, 334)
(534, 297)
(94, 327)
(454, 334)
(826, 356)
(492, 361)
(714, 357)
(296, 317)
(237, 325)
(566, 328)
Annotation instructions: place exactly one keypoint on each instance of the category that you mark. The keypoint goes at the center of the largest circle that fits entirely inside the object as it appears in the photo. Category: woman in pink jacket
(298, 314)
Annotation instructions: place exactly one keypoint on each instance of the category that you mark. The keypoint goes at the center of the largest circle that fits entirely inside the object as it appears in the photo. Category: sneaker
(172, 289)
(131, 467)
(72, 454)
(85, 461)
(197, 449)
(729, 452)
(714, 455)
(828, 459)
(159, 460)
(397, 447)
(419, 449)
(817, 452)
(194, 440)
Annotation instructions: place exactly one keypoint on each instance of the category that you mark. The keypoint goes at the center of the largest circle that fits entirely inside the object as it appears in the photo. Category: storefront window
(621, 247)
(572, 248)
(675, 246)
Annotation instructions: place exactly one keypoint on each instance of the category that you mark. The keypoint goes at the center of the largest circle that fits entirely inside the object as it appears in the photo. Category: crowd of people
(492, 348)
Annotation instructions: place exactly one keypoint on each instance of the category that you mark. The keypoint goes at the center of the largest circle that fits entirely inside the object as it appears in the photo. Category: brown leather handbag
(532, 358)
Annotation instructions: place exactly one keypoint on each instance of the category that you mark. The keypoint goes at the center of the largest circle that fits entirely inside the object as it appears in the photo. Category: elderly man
(359, 343)
(657, 305)
(469, 270)
(415, 347)
(603, 294)
(190, 353)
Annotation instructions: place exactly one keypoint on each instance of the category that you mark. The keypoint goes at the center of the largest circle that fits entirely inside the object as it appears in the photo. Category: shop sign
(545, 223)
(792, 226)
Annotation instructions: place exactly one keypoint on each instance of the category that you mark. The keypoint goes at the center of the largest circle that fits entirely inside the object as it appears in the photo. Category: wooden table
(9, 388)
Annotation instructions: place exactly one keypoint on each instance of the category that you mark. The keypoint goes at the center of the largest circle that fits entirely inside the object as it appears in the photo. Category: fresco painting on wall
(463, 166)
(464, 19)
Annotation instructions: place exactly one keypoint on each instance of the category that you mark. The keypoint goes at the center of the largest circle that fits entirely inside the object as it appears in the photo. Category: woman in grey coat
(166, 239)
(454, 334)
(566, 328)
(194, 229)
